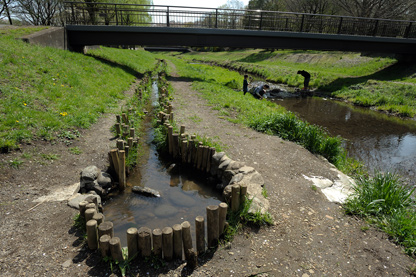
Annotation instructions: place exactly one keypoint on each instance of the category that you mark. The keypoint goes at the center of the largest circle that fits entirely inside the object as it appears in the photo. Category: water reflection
(380, 141)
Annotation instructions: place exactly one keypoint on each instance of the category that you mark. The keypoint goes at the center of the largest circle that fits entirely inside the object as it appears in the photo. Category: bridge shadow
(125, 68)
(394, 72)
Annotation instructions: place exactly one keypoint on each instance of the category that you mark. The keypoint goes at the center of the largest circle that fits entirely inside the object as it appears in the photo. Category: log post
(122, 170)
(127, 150)
(222, 215)
(99, 217)
(167, 237)
(120, 144)
(130, 142)
(114, 158)
(175, 146)
(118, 118)
(200, 234)
(115, 249)
(205, 152)
(125, 119)
(171, 117)
(106, 228)
(91, 206)
(170, 139)
(213, 225)
(118, 129)
(89, 214)
(177, 241)
(132, 132)
(184, 150)
(105, 245)
(82, 208)
(209, 159)
(157, 243)
(186, 237)
(182, 130)
(235, 198)
(132, 242)
(92, 234)
(243, 193)
(199, 155)
(145, 241)
(189, 151)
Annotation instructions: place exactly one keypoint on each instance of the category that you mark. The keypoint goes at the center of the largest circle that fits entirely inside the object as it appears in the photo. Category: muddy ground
(311, 236)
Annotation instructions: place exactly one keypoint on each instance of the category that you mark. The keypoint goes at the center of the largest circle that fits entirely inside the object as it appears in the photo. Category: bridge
(155, 25)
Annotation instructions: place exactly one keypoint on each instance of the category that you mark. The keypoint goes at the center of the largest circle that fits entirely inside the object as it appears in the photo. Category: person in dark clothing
(245, 84)
(307, 77)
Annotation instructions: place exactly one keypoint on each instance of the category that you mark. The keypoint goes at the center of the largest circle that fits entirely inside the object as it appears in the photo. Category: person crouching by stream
(307, 77)
(260, 91)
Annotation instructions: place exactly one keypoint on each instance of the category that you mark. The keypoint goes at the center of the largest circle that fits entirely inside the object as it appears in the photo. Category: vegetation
(384, 201)
(379, 82)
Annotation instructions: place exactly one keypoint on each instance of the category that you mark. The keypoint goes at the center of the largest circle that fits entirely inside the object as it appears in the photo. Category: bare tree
(39, 12)
(5, 6)
(312, 6)
(391, 9)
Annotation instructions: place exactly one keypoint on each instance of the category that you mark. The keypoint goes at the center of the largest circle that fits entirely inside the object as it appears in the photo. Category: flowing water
(184, 194)
(380, 141)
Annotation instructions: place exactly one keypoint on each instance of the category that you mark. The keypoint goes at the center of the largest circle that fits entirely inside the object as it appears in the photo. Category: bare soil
(311, 236)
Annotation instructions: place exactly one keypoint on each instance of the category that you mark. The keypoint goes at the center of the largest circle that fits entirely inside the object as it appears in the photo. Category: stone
(246, 170)
(234, 165)
(104, 180)
(259, 204)
(226, 193)
(181, 199)
(227, 176)
(74, 201)
(90, 173)
(223, 165)
(165, 210)
(216, 158)
(236, 178)
(146, 191)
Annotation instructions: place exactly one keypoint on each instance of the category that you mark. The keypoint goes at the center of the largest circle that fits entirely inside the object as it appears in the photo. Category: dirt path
(311, 237)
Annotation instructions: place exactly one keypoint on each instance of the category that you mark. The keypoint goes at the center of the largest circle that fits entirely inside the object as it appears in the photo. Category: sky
(194, 3)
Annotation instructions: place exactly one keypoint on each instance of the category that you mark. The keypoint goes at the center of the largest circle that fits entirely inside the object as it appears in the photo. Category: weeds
(15, 163)
(75, 150)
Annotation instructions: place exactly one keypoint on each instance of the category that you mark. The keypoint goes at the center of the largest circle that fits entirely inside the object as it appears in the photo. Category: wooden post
(189, 151)
(170, 109)
(170, 139)
(184, 150)
(92, 234)
(99, 217)
(175, 146)
(145, 241)
(105, 245)
(130, 142)
(235, 198)
(132, 132)
(132, 242)
(114, 158)
(127, 150)
(91, 206)
(186, 237)
(115, 249)
(199, 155)
(182, 130)
(122, 169)
(89, 213)
(82, 208)
(222, 215)
(171, 117)
(167, 237)
(120, 144)
(243, 193)
(125, 119)
(157, 243)
(177, 241)
(118, 129)
(205, 152)
(200, 234)
(209, 159)
(213, 225)
(118, 118)
(106, 228)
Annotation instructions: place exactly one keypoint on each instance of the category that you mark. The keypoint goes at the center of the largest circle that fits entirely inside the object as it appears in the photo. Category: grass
(46, 91)
(384, 201)
(368, 81)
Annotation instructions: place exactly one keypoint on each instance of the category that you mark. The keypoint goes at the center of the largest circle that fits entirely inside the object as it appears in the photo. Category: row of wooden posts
(168, 243)
(118, 155)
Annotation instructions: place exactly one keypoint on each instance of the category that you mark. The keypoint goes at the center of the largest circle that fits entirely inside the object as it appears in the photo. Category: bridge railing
(84, 13)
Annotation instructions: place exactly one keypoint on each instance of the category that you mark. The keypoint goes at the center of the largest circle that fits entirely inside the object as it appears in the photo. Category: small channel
(184, 194)
(380, 141)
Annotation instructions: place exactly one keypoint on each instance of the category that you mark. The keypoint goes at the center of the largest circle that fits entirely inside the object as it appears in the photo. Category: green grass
(368, 81)
(46, 91)
(386, 202)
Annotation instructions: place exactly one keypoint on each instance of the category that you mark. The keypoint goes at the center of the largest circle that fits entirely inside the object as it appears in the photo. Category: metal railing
(82, 13)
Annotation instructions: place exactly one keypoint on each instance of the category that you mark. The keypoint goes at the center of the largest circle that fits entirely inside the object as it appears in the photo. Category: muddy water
(184, 194)
(380, 141)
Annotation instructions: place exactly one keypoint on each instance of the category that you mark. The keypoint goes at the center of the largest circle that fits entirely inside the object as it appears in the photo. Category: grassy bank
(366, 81)
(48, 93)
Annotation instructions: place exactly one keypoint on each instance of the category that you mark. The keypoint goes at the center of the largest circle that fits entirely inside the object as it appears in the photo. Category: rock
(215, 162)
(181, 199)
(146, 191)
(227, 176)
(236, 178)
(104, 180)
(77, 198)
(234, 165)
(90, 173)
(227, 193)
(223, 165)
(246, 170)
(259, 204)
(165, 210)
